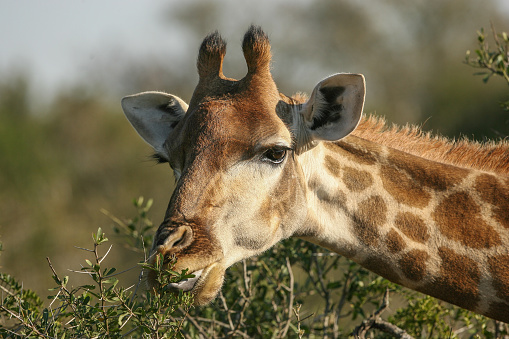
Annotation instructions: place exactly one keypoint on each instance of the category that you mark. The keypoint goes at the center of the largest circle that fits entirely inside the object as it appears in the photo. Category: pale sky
(53, 38)
(56, 41)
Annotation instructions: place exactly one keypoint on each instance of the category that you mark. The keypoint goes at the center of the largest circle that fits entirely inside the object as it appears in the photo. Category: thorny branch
(375, 321)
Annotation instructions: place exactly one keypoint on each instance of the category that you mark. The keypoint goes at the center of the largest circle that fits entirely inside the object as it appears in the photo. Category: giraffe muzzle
(187, 284)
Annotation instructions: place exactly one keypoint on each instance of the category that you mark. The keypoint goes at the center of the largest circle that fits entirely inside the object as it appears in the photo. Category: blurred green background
(66, 150)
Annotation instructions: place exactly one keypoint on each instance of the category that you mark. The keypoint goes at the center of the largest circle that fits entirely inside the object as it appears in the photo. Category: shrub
(491, 62)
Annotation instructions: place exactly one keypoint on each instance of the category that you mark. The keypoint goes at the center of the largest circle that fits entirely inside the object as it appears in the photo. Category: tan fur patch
(458, 282)
(457, 217)
(413, 264)
(394, 241)
(370, 213)
(356, 180)
(495, 194)
(499, 268)
(332, 165)
(412, 226)
(403, 188)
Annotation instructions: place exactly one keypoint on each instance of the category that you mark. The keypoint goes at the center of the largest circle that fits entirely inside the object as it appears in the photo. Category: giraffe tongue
(187, 284)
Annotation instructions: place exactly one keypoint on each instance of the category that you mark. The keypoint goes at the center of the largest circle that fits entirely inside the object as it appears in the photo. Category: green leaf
(334, 284)
(499, 60)
(56, 280)
(111, 271)
(121, 318)
(111, 281)
(99, 234)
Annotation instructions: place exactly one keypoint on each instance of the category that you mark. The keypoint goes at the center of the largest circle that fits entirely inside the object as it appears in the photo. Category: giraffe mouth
(187, 284)
(205, 285)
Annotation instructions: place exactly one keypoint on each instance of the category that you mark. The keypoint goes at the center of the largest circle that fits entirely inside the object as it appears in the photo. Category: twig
(23, 322)
(99, 282)
(375, 321)
(225, 305)
(290, 302)
(141, 275)
(326, 295)
(6, 290)
(296, 311)
(194, 322)
(100, 259)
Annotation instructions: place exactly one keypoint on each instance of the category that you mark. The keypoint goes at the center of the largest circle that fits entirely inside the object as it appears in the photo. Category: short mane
(489, 156)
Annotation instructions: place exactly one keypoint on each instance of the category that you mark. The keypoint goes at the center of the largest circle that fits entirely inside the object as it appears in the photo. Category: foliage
(294, 290)
(100, 309)
(493, 62)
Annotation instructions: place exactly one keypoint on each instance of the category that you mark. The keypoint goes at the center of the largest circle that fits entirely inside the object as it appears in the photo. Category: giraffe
(254, 166)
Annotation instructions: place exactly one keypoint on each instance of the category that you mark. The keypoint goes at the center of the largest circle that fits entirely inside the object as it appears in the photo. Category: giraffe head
(235, 155)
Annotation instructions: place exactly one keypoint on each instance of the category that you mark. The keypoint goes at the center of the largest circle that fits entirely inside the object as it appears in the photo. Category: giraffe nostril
(177, 237)
(178, 241)
(180, 237)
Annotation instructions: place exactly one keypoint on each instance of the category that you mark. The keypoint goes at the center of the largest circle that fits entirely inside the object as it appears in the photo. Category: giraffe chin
(205, 285)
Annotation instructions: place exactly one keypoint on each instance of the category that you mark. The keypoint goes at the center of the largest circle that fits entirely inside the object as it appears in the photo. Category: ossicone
(256, 48)
(211, 55)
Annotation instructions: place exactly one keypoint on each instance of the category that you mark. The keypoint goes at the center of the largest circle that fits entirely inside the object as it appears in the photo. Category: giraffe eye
(276, 155)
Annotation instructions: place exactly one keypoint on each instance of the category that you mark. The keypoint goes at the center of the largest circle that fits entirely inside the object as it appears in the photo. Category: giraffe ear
(334, 108)
(154, 115)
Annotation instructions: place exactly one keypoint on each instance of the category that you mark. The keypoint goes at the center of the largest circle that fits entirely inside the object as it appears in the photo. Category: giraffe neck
(435, 228)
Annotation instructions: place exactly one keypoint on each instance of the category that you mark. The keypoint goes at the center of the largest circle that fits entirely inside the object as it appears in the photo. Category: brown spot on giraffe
(382, 267)
(427, 173)
(412, 226)
(332, 165)
(458, 281)
(413, 264)
(334, 198)
(329, 196)
(356, 180)
(403, 188)
(495, 194)
(394, 241)
(355, 153)
(370, 213)
(458, 218)
(499, 268)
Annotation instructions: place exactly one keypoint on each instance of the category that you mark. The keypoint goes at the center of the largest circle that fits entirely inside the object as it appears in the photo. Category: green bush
(99, 309)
